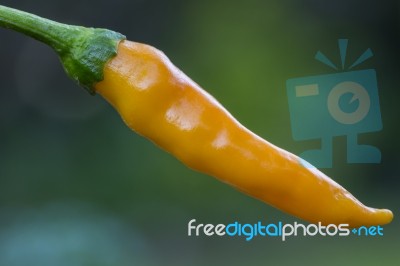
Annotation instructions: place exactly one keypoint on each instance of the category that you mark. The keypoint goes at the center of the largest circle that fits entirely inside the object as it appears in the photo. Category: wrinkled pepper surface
(159, 102)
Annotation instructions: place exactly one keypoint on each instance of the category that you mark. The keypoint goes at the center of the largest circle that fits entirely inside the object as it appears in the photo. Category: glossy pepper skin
(158, 101)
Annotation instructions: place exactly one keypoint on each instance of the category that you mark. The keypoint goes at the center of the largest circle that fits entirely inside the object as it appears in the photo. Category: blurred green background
(77, 187)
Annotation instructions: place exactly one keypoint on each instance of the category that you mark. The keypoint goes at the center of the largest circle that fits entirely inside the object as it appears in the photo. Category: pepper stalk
(82, 51)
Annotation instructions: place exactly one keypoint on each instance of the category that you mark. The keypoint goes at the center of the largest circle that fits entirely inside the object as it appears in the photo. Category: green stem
(42, 29)
(83, 51)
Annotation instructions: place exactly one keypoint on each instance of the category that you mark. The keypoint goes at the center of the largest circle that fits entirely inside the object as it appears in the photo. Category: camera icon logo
(338, 104)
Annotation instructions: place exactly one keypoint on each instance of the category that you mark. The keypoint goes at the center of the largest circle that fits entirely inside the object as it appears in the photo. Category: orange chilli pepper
(159, 102)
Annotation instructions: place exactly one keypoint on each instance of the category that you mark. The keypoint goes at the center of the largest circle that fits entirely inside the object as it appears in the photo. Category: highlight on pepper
(158, 101)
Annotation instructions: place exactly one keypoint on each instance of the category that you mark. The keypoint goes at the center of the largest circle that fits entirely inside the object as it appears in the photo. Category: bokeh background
(77, 187)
